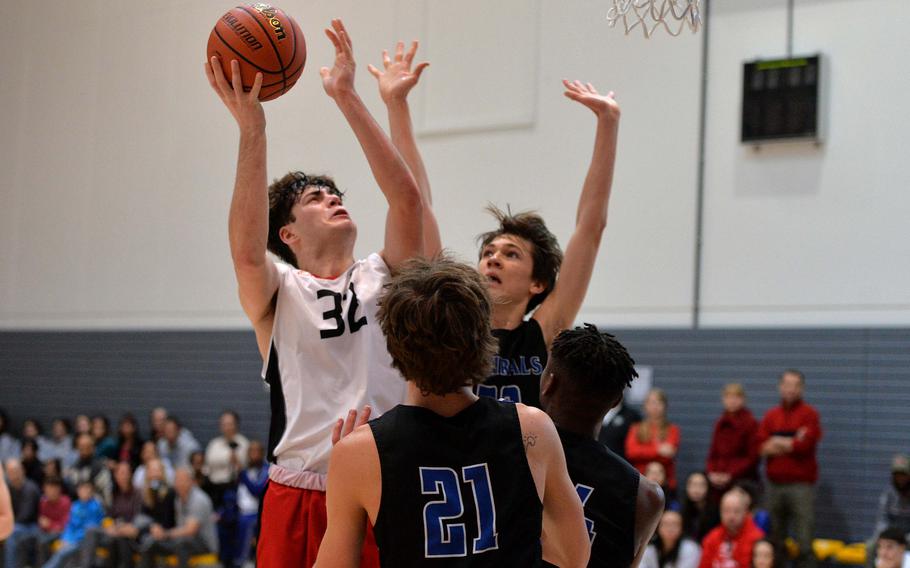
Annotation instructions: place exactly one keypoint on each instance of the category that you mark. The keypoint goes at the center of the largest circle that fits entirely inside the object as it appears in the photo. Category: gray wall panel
(858, 379)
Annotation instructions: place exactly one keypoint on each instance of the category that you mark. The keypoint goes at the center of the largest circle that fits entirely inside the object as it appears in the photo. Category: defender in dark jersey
(447, 478)
(584, 379)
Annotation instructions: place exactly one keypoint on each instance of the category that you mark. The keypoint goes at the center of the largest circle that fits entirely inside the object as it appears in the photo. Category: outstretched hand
(340, 78)
(345, 426)
(245, 107)
(397, 79)
(604, 106)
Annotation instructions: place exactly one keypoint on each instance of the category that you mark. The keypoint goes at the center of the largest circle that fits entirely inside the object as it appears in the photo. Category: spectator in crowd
(760, 517)
(764, 555)
(671, 548)
(734, 453)
(699, 512)
(149, 453)
(894, 503)
(105, 444)
(129, 443)
(250, 490)
(82, 425)
(157, 418)
(891, 548)
(157, 498)
(655, 473)
(175, 446)
(90, 468)
(788, 436)
(85, 513)
(730, 544)
(119, 535)
(654, 438)
(53, 514)
(616, 427)
(7, 520)
(32, 430)
(34, 469)
(194, 532)
(9, 445)
(25, 496)
(59, 445)
(226, 455)
(200, 474)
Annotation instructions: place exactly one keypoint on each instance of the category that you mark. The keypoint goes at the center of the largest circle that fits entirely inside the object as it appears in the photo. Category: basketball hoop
(673, 15)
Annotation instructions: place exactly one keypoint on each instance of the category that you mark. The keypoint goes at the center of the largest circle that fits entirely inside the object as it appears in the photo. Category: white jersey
(328, 355)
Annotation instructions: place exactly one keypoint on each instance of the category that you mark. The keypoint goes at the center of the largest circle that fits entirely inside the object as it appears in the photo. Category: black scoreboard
(781, 100)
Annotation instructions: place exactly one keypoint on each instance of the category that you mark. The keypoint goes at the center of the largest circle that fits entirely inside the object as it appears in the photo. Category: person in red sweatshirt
(53, 514)
(734, 454)
(654, 439)
(730, 544)
(787, 438)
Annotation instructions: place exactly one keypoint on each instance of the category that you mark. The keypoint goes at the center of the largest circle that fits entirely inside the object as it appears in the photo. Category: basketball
(263, 39)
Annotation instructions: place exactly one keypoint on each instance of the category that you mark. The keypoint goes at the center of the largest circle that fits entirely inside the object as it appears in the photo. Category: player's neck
(328, 262)
(569, 420)
(507, 316)
(448, 405)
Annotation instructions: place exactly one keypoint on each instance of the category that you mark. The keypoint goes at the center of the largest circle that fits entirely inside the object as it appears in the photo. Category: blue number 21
(447, 540)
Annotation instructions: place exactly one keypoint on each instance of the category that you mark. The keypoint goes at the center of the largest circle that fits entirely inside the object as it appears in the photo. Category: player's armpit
(257, 286)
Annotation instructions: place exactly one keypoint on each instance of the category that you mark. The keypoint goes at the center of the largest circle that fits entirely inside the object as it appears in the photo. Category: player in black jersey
(447, 478)
(584, 379)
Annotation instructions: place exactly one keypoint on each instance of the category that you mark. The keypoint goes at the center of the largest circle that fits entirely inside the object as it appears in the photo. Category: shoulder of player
(355, 452)
(537, 429)
(650, 498)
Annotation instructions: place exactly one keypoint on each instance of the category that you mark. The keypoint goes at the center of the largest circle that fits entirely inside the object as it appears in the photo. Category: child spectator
(671, 548)
(654, 438)
(734, 450)
(656, 473)
(764, 555)
(85, 513)
(699, 512)
(53, 514)
(891, 548)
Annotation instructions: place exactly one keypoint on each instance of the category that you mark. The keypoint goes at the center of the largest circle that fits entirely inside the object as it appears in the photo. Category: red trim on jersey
(292, 526)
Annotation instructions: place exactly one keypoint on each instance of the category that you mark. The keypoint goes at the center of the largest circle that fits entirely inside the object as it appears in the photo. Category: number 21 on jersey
(444, 539)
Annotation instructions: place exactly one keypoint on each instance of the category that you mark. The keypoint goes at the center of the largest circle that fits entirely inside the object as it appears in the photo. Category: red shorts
(292, 526)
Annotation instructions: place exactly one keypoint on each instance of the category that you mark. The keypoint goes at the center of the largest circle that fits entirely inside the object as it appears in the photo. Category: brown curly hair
(283, 195)
(435, 315)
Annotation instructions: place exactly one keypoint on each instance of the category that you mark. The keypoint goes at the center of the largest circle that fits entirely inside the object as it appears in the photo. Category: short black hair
(799, 374)
(233, 414)
(895, 534)
(593, 364)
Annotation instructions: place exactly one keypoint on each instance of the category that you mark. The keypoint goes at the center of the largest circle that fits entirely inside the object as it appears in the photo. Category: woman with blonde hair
(654, 438)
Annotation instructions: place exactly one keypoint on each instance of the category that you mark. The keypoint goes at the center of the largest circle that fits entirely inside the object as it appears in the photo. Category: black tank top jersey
(456, 491)
(518, 365)
(608, 488)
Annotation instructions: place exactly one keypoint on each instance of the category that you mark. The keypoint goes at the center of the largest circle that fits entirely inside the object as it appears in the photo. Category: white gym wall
(117, 162)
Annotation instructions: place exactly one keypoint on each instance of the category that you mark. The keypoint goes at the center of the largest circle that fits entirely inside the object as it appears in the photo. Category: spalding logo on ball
(263, 39)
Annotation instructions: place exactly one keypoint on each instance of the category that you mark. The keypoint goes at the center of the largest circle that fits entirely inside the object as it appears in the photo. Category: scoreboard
(781, 100)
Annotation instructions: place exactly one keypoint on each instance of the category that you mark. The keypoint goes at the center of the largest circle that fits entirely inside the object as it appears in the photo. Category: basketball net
(673, 15)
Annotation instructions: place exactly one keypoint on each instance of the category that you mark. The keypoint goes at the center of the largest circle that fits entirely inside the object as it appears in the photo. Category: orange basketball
(263, 39)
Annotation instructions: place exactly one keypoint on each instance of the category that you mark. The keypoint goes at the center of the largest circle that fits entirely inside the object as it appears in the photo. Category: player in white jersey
(314, 318)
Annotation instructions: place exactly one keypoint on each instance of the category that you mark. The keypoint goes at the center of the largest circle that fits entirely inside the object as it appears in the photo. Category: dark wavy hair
(545, 253)
(283, 195)
(435, 315)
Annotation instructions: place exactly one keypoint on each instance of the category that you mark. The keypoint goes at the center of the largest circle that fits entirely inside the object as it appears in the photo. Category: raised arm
(395, 82)
(404, 223)
(248, 220)
(558, 311)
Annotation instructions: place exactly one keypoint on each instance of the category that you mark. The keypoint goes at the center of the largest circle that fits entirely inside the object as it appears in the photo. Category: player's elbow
(650, 498)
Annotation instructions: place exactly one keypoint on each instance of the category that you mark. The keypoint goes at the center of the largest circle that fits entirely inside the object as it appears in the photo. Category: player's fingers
(335, 41)
(569, 85)
(591, 88)
(236, 79)
(420, 67)
(399, 51)
(349, 422)
(409, 56)
(210, 75)
(385, 58)
(324, 72)
(364, 416)
(573, 95)
(336, 431)
(373, 71)
(579, 85)
(342, 32)
(257, 86)
(220, 81)
(611, 94)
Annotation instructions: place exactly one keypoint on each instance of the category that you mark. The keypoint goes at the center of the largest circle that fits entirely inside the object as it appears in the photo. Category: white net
(672, 15)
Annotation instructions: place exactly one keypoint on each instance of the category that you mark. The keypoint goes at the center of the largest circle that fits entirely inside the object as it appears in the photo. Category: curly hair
(596, 365)
(283, 195)
(435, 315)
(546, 254)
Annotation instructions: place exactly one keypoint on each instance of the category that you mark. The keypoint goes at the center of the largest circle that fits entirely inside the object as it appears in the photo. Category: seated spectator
(25, 496)
(82, 425)
(730, 544)
(654, 438)
(90, 468)
(891, 548)
(226, 455)
(85, 513)
(6, 510)
(9, 445)
(200, 474)
(105, 444)
(59, 445)
(33, 467)
(194, 531)
(129, 444)
(149, 453)
(157, 498)
(734, 451)
(119, 536)
(656, 473)
(616, 425)
(761, 517)
(32, 430)
(157, 418)
(894, 503)
(53, 514)
(671, 548)
(764, 555)
(175, 446)
(699, 513)
(250, 490)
